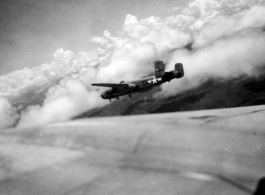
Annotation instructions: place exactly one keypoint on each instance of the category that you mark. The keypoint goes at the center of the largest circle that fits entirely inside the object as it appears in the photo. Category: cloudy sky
(32, 30)
(67, 45)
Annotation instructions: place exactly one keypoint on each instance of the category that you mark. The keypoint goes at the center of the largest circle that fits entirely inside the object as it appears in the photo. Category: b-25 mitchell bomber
(142, 85)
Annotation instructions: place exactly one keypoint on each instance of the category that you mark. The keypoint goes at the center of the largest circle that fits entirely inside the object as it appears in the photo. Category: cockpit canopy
(107, 91)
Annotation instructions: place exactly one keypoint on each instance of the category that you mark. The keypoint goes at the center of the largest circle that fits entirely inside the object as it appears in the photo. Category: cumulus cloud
(136, 29)
(213, 39)
(225, 46)
(8, 114)
(167, 38)
(134, 59)
(241, 54)
(224, 25)
(64, 101)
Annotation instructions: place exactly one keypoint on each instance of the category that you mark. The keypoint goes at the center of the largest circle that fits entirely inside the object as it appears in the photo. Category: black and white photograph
(143, 97)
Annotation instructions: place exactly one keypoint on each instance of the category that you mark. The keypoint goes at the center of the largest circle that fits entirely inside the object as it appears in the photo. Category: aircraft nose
(103, 96)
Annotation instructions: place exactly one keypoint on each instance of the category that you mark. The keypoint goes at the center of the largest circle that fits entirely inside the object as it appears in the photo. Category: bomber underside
(115, 95)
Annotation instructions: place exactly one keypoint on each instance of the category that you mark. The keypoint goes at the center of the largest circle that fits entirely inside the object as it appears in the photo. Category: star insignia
(154, 80)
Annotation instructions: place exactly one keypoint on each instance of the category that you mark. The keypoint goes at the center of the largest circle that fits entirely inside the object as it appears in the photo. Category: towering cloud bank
(8, 114)
(62, 102)
(213, 39)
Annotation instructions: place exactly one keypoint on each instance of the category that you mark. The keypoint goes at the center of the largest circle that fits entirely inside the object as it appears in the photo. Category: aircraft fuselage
(139, 86)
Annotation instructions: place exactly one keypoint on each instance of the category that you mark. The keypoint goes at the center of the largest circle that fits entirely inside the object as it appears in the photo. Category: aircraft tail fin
(159, 69)
(179, 69)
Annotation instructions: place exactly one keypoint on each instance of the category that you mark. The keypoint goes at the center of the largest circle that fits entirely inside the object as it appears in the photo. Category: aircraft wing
(108, 84)
(199, 152)
(115, 85)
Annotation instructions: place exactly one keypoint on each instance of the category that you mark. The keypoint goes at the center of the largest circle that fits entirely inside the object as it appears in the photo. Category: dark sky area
(32, 30)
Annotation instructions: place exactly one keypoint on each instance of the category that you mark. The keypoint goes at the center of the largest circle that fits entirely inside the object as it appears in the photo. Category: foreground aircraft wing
(199, 152)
